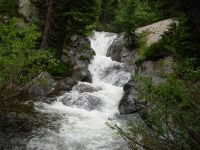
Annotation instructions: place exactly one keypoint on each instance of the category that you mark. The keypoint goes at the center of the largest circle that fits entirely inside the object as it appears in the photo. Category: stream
(81, 114)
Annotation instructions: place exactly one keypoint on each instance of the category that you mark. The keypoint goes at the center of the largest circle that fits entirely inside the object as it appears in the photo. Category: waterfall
(82, 113)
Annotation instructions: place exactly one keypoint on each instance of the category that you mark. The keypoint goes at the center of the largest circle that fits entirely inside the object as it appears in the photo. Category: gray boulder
(128, 103)
(119, 52)
(84, 100)
(27, 10)
(86, 87)
(116, 48)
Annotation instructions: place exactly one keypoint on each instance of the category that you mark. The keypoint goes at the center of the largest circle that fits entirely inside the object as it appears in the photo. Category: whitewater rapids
(82, 115)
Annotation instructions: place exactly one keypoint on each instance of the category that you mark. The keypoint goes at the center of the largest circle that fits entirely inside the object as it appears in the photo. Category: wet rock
(85, 100)
(116, 48)
(79, 74)
(128, 104)
(119, 52)
(115, 74)
(155, 69)
(88, 78)
(86, 87)
(79, 54)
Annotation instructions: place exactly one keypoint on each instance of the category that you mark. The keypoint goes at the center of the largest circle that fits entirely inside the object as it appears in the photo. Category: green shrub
(19, 59)
(188, 69)
(60, 68)
(153, 51)
(173, 111)
(145, 14)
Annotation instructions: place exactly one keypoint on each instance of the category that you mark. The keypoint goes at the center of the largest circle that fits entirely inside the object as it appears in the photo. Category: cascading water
(84, 111)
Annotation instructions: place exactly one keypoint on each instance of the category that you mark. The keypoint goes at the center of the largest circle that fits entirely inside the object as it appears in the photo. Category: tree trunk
(47, 24)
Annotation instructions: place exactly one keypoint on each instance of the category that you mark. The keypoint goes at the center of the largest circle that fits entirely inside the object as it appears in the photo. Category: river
(82, 113)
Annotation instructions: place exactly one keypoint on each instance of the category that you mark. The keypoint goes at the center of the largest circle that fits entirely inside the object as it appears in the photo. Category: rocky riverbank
(119, 52)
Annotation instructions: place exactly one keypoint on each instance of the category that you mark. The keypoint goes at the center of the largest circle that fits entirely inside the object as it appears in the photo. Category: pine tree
(125, 20)
(109, 9)
(64, 18)
(8, 7)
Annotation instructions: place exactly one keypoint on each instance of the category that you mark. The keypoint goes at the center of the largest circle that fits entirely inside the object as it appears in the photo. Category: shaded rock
(79, 54)
(79, 73)
(88, 78)
(128, 103)
(15, 129)
(84, 100)
(116, 48)
(86, 87)
(157, 70)
(42, 85)
(27, 10)
(128, 106)
(119, 52)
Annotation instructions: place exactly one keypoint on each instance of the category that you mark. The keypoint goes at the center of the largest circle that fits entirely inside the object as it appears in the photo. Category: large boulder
(156, 30)
(78, 54)
(157, 70)
(86, 87)
(27, 10)
(116, 47)
(128, 103)
(82, 100)
(119, 52)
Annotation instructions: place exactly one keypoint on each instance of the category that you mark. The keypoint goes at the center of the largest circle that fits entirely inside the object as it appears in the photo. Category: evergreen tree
(126, 22)
(8, 7)
(109, 9)
(65, 18)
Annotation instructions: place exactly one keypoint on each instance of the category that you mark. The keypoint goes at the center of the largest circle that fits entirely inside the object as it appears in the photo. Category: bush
(145, 14)
(60, 68)
(173, 113)
(153, 51)
(19, 59)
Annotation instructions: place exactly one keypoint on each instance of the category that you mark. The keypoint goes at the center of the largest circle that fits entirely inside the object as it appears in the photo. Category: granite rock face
(155, 69)
(119, 52)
